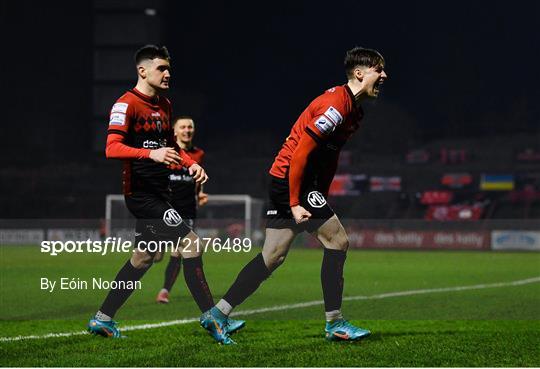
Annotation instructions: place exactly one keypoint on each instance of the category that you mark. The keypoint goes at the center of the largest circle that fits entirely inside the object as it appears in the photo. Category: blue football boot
(342, 330)
(234, 325)
(215, 322)
(103, 328)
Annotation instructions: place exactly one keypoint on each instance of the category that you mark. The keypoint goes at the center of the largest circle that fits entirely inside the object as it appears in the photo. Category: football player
(300, 179)
(140, 134)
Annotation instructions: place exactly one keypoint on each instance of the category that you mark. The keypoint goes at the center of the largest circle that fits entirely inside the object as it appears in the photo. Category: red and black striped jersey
(138, 124)
(184, 189)
(311, 150)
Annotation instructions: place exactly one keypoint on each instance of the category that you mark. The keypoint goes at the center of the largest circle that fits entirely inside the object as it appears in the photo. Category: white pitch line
(289, 307)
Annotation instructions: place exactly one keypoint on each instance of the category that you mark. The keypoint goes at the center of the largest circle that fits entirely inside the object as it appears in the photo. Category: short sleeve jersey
(330, 119)
(183, 185)
(145, 123)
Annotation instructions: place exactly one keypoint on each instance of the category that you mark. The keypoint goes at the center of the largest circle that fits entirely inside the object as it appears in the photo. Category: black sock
(171, 272)
(332, 278)
(196, 282)
(247, 282)
(116, 297)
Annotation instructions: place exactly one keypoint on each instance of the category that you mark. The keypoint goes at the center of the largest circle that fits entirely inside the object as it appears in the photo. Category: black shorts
(156, 218)
(187, 211)
(278, 212)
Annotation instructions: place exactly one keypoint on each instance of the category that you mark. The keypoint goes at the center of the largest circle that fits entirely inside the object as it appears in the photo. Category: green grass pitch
(488, 326)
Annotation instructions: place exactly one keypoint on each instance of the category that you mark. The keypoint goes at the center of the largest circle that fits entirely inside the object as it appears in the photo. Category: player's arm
(195, 170)
(299, 160)
(298, 166)
(116, 147)
(202, 197)
(316, 132)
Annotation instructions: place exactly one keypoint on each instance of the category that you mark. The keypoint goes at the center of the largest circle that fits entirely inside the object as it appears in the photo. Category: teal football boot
(103, 328)
(234, 325)
(215, 322)
(342, 330)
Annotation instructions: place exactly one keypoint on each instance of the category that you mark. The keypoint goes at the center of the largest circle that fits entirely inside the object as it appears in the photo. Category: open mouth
(378, 85)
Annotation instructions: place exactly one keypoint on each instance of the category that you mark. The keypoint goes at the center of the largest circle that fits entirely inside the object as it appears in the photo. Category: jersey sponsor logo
(151, 144)
(172, 218)
(316, 199)
(117, 119)
(334, 115)
(333, 89)
(325, 125)
(119, 108)
(181, 178)
(156, 114)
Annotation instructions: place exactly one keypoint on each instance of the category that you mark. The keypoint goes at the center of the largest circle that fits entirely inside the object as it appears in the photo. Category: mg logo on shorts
(316, 199)
(172, 218)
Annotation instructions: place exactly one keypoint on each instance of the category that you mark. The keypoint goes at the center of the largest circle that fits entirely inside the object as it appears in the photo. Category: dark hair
(149, 52)
(182, 117)
(359, 56)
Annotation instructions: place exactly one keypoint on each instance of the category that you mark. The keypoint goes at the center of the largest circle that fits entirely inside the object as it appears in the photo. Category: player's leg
(132, 271)
(172, 271)
(280, 232)
(196, 281)
(171, 228)
(333, 237)
(275, 249)
(194, 275)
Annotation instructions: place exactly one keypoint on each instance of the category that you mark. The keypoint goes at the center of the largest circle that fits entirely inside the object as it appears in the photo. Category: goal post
(115, 209)
(224, 207)
(247, 200)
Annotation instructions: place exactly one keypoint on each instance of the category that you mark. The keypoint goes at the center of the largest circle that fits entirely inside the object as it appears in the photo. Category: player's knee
(141, 260)
(343, 243)
(278, 260)
(158, 256)
(336, 241)
(274, 259)
(340, 241)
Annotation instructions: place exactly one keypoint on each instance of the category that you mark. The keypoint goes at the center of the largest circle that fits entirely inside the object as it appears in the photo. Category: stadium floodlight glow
(150, 12)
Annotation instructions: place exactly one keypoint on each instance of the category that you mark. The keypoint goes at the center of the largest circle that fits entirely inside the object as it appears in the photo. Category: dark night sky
(246, 70)
(456, 68)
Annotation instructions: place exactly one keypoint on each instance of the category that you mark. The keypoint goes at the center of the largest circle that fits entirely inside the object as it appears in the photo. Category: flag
(348, 185)
(436, 197)
(456, 180)
(497, 182)
(377, 184)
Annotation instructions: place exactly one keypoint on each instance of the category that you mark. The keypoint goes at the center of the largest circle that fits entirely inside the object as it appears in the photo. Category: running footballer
(300, 179)
(140, 134)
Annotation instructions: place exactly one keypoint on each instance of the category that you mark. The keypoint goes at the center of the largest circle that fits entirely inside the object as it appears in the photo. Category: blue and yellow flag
(497, 182)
